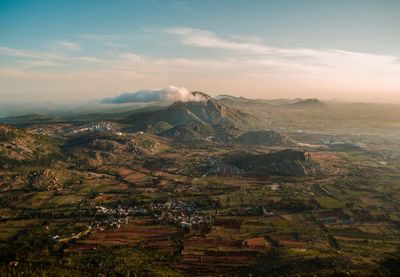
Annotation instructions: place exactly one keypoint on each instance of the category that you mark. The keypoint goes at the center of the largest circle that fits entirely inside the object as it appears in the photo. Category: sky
(74, 51)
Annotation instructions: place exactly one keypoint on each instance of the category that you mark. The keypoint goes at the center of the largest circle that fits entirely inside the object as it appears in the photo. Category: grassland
(160, 215)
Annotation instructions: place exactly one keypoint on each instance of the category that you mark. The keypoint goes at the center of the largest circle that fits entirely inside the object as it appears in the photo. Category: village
(181, 214)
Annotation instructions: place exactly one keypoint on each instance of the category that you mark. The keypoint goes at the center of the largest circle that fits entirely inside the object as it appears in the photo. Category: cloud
(90, 59)
(306, 57)
(207, 39)
(67, 45)
(32, 59)
(110, 40)
(244, 65)
(19, 53)
(38, 63)
(38, 55)
(169, 94)
(101, 37)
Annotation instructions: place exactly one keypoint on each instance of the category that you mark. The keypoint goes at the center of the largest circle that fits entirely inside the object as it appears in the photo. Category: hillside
(264, 138)
(307, 103)
(97, 148)
(286, 162)
(208, 111)
(19, 147)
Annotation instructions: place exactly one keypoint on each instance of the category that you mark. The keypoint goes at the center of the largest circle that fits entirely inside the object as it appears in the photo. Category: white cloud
(32, 59)
(307, 57)
(67, 45)
(168, 94)
(100, 37)
(207, 39)
(19, 53)
(90, 59)
(247, 66)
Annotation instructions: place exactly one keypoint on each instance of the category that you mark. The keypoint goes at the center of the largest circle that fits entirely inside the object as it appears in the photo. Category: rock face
(99, 148)
(17, 146)
(264, 138)
(192, 132)
(198, 132)
(208, 111)
(286, 162)
(45, 180)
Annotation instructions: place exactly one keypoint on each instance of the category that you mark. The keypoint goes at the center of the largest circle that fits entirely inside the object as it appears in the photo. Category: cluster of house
(344, 143)
(91, 127)
(115, 217)
(333, 216)
(182, 214)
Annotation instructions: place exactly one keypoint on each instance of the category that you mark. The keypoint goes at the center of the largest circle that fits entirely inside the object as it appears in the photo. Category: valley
(222, 186)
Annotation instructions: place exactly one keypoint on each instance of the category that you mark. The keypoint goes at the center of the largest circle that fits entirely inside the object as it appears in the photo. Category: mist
(169, 94)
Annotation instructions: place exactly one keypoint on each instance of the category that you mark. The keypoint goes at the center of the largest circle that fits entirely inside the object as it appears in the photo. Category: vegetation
(117, 202)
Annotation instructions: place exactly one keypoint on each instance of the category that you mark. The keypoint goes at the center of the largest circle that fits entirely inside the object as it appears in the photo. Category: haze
(73, 51)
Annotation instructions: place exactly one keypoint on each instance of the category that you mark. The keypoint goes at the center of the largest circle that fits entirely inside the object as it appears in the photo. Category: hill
(25, 120)
(307, 103)
(208, 111)
(286, 162)
(19, 147)
(264, 138)
(91, 149)
(197, 132)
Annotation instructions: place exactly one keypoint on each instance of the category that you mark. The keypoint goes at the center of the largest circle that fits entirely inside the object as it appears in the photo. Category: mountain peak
(199, 94)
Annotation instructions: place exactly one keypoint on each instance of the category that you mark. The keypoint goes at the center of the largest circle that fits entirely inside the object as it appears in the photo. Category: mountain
(307, 103)
(286, 162)
(264, 138)
(91, 149)
(25, 120)
(207, 111)
(233, 101)
(20, 147)
(199, 132)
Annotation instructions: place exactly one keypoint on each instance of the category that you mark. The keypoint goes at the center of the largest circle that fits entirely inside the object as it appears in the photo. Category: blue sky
(74, 50)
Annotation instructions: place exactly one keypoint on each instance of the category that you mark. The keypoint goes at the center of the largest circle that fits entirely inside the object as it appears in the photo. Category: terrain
(224, 186)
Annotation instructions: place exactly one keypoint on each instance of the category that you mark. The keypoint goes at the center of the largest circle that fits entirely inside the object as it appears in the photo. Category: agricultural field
(135, 203)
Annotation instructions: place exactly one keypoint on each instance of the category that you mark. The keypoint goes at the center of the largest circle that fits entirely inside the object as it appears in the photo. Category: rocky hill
(105, 147)
(286, 162)
(19, 147)
(197, 132)
(206, 111)
(307, 103)
(264, 138)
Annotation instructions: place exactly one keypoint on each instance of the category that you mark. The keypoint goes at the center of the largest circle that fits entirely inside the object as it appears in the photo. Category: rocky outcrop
(264, 138)
(19, 147)
(287, 162)
(44, 180)
(206, 111)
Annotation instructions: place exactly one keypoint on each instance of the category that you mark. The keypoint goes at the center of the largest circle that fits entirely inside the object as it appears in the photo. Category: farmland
(179, 209)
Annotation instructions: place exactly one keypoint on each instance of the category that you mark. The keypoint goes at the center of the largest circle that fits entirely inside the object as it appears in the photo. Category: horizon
(72, 52)
(199, 138)
(53, 108)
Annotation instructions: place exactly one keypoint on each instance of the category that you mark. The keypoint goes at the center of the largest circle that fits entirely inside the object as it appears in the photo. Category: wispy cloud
(168, 94)
(67, 45)
(90, 59)
(207, 39)
(55, 57)
(101, 37)
(38, 63)
(21, 53)
(269, 54)
(245, 64)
